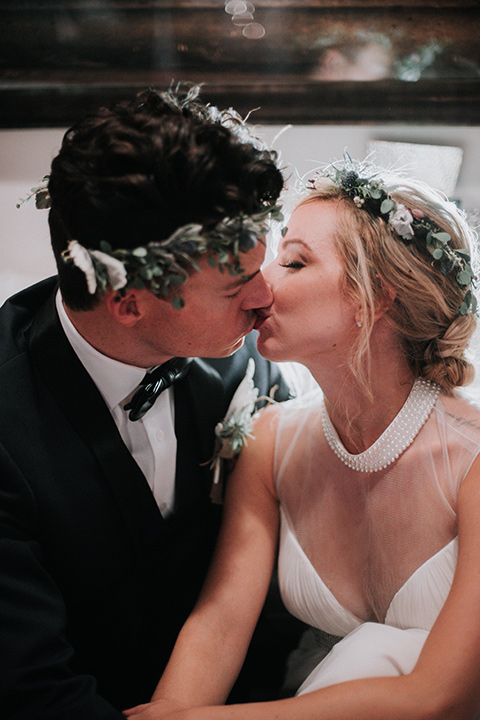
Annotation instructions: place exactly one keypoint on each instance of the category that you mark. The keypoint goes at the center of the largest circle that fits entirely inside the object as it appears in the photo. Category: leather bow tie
(154, 383)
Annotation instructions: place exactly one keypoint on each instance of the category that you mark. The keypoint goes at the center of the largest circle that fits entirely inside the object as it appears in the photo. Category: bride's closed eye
(293, 264)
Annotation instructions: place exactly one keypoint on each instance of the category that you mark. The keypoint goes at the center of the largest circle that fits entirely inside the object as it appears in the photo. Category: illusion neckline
(396, 437)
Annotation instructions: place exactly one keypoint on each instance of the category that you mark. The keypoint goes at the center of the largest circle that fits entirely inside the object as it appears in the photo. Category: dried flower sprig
(40, 193)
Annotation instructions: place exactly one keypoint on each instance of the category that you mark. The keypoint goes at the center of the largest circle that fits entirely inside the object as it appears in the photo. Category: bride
(369, 491)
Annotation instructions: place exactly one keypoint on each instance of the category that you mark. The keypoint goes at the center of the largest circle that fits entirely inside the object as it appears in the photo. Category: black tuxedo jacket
(94, 583)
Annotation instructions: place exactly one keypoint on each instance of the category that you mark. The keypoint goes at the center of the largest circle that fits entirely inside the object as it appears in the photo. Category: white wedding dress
(369, 556)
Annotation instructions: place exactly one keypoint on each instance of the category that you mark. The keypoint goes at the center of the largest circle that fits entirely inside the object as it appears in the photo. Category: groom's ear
(126, 309)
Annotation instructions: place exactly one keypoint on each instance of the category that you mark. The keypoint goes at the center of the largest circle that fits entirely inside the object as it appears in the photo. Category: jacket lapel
(83, 406)
(199, 405)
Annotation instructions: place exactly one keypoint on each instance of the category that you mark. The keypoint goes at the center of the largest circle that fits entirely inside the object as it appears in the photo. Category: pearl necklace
(396, 438)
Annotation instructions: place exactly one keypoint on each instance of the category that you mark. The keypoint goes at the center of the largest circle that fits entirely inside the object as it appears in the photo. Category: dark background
(58, 59)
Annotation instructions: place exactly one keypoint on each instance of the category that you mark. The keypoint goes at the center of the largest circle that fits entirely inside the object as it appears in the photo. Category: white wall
(25, 157)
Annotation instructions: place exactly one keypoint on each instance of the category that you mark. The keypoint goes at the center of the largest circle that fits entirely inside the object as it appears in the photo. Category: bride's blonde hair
(425, 307)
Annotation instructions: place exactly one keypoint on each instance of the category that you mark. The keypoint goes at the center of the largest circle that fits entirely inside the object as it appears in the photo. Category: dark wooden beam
(60, 59)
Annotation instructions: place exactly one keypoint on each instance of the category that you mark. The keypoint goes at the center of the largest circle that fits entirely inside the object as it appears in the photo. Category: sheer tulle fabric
(364, 554)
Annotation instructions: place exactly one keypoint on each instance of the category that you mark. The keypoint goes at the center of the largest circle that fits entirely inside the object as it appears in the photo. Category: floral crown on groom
(361, 182)
(163, 265)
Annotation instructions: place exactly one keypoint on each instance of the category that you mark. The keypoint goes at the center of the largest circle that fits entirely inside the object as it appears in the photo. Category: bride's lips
(262, 318)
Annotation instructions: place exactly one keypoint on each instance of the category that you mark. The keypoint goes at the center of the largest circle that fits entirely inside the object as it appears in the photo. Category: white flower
(235, 428)
(81, 258)
(231, 434)
(117, 275)
(359, 201)
(246, 394)
(322, 182)
(401, 220)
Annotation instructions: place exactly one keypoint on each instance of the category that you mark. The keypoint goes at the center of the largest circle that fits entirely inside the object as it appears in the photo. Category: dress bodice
(416, 604)
(381, 546)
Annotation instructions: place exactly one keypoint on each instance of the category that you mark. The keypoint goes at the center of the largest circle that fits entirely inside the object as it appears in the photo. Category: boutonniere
(233, 432)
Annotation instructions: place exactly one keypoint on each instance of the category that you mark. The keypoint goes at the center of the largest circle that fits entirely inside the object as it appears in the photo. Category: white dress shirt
(151, 440)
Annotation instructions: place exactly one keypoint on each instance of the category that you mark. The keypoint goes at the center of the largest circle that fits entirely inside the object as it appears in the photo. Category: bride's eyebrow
(295, 241)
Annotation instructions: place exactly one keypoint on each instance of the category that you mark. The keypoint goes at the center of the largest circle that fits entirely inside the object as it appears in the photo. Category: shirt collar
(115, 380)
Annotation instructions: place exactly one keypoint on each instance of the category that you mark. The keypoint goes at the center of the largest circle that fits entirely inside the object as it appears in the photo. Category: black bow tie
(154, 383)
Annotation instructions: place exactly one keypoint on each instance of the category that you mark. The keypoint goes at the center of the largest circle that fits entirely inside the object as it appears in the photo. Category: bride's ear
(385, 298)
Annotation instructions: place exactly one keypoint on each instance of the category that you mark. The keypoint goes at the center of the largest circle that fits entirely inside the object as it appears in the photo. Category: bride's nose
(268, 274)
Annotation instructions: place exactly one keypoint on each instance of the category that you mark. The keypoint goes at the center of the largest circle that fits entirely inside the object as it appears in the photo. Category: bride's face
(310, 320)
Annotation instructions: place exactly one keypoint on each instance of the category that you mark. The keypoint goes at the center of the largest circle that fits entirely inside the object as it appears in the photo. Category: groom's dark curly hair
(133, 173)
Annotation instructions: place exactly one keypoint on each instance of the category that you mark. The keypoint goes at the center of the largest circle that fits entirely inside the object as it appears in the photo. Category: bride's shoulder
(461, 413)
(302, 404)
(310, 400)
(281, 421)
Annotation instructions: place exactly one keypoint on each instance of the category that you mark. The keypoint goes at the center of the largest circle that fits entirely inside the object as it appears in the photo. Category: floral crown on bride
(164, 265)
(361, 182)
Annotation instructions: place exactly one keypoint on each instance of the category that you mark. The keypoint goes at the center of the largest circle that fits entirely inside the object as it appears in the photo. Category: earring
(359, 324)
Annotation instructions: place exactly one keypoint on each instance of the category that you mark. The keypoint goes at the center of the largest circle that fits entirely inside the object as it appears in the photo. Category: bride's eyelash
(294, 265)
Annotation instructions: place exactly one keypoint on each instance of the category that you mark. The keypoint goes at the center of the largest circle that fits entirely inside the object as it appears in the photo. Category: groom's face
(219, 310)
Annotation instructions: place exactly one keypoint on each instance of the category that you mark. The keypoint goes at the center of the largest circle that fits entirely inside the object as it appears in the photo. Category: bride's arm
(212, 645)
(444, 685)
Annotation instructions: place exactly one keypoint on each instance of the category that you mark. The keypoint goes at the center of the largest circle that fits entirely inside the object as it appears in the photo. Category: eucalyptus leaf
(43, 200)
(464, 277)
(442, 236)
(176, 279)
(387, 206)
(178, 302)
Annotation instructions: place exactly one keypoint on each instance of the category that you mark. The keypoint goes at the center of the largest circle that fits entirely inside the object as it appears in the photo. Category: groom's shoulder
(17, 314)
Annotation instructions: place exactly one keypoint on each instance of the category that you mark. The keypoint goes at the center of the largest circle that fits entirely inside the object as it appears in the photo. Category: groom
(157, 214)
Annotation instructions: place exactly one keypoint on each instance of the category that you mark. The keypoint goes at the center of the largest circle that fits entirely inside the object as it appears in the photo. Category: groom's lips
(261, 320)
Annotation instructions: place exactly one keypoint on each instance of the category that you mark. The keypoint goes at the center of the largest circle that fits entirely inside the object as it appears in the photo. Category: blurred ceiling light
(254, 31)
(236, 7)
(242, 19)
(242, 16)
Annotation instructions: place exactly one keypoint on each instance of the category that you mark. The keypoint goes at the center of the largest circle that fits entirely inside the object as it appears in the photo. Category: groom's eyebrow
(241, 280)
